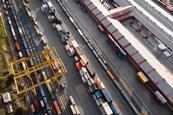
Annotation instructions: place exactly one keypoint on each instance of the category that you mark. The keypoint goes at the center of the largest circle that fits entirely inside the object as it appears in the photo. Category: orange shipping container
(17, 46)
(55, 103)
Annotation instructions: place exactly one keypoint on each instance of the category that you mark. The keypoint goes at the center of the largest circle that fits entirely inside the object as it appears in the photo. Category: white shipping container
(67, 47)
(42, 103)
(83, 71)
(107, 108)
(83, 79)
(58, 27)
(20, 54)
(44, 7)
(72, 109)
(77, 110)
(44, 75)
(23, 65)
(44, 40)
(72, 100)
(28, 52)
(89, 82)
(160, 97)
(76, 58)
(49, 87)
(86, 76)
(74, 44)
(71, 51)
(31, 62)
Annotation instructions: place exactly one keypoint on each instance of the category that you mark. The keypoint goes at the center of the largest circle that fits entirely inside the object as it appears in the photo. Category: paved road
(127, 72)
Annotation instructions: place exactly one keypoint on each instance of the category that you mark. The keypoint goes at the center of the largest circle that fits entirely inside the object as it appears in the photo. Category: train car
(55, 103)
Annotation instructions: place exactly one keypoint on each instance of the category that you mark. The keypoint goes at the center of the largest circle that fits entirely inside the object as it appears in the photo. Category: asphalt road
(123, 68)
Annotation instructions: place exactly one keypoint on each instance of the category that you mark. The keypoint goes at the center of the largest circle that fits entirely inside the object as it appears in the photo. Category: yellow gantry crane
(50, 59)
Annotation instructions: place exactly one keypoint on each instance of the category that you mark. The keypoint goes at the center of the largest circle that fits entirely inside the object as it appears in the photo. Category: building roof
(6, 97)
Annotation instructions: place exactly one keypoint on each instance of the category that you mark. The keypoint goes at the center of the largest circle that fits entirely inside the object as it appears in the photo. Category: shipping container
(107, 108)
(31, 62)
(78, 66)
(79, 51)
(44, 75)
(74, 44)
(46, 103)
(115, 112)
(83, 79)
(55, 103)
(77, 110)
(142, 77)
(90, 69)
(72, 100)
(32, 108)
(91, 90)
(98, 94)
(36, 105)
(73, 110)
(84, 60)
(42, 91)
(42, 103)
(160, 97)
(106, 95)
(75, 58)
(83, 71)
(20, 54)
(99, 83)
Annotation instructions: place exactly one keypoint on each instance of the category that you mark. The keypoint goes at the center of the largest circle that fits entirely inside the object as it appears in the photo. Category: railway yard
(86, 57)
